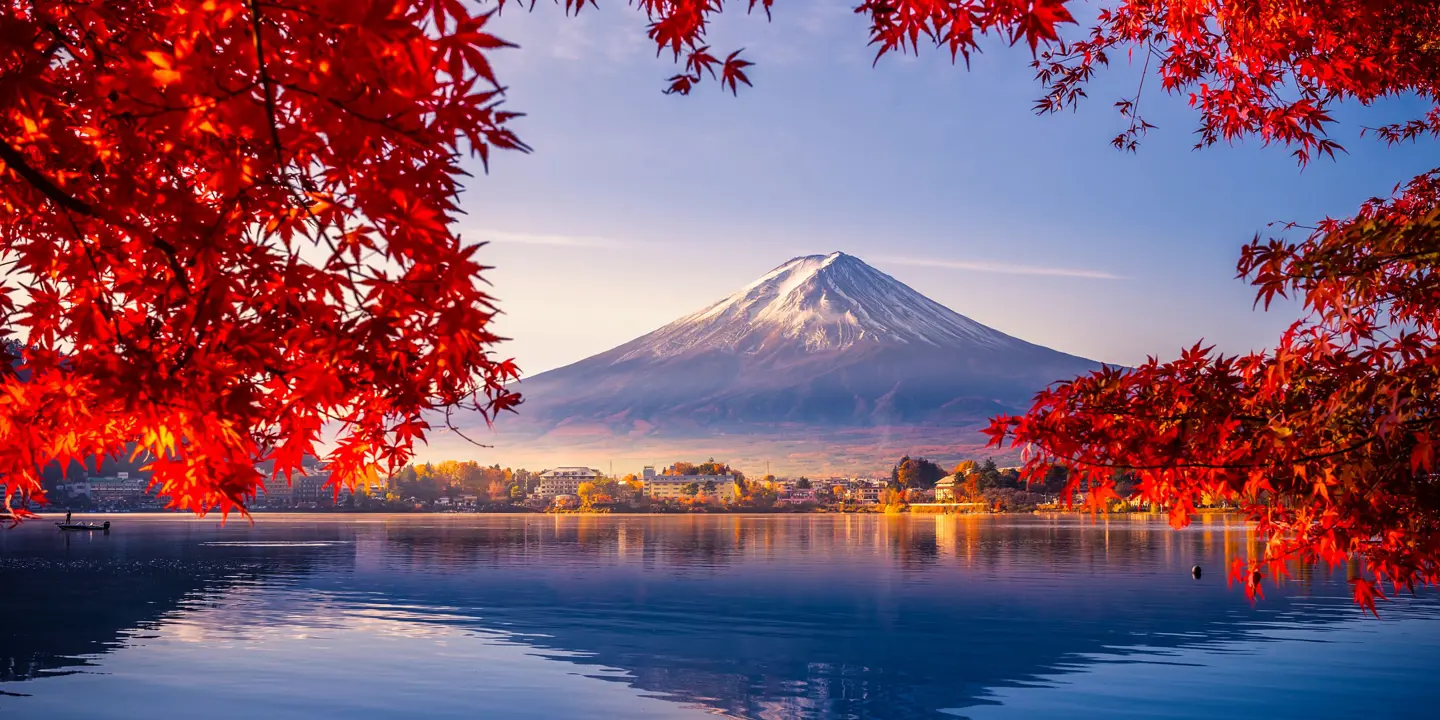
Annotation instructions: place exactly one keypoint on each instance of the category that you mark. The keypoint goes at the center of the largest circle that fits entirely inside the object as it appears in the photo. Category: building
(865, 494)
(945, 490)
(311, 489)
(307, 488)
(74, 489)
(565, 481)
(277, 493)
(118, 489)
(673, 487)
(797, 496)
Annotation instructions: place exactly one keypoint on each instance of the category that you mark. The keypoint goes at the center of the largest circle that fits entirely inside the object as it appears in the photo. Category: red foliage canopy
(227, 224)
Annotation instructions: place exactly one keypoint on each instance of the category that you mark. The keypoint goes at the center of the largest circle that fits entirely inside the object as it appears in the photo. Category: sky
(636, 208)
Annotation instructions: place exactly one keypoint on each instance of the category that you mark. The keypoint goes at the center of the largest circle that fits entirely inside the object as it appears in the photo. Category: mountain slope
(814, 304)
(823, 342)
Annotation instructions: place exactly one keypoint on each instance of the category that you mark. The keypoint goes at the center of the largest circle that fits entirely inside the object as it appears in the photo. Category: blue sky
(637, 208)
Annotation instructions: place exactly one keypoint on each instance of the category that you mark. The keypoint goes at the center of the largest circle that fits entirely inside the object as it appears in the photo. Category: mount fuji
(822, 357)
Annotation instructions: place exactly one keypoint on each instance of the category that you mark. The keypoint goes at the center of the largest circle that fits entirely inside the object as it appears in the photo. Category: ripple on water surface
(764, 617)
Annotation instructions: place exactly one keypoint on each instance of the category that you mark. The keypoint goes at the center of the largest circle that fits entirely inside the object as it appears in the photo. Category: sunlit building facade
(675, 487)
(565, 481)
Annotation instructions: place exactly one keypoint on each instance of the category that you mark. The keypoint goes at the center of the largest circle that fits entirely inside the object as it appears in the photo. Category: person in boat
(67, 517)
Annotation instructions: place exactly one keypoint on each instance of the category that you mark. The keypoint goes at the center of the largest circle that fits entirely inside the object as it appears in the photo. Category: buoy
(1196, 572)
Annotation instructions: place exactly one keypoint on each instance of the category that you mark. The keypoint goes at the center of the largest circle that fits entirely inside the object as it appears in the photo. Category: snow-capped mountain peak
(820, 302)
(820, 354)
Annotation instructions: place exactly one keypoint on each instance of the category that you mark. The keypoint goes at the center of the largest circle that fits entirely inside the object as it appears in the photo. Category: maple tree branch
(451, 425)
(95, 267)
(267, 82)
(382, 122)
(16, 162)
(1139, 91)
(1128, 413)
(1181, 464)
(208, 103)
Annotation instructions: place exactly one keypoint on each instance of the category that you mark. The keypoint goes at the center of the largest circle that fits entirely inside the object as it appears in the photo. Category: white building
(673, 487)
(865, 494)
(564, 481)
(797, 496)
(947, 489)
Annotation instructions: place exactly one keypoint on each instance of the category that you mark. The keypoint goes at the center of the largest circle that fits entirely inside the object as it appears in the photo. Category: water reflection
(800, 616)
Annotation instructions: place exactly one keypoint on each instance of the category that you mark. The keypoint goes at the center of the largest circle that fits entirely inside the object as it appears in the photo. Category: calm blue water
(659, 617)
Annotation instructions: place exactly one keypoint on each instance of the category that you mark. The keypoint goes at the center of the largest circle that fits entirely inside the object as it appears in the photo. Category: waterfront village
(913, 485)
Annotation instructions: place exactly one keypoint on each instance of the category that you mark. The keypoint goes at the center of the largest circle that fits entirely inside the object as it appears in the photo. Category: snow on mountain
(821, 302)
(822, 344)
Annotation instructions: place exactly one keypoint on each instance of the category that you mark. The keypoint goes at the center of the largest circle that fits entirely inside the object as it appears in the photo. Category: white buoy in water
(1195, 572)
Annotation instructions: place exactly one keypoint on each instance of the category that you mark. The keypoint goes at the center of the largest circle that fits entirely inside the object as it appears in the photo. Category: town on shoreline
(914, 485)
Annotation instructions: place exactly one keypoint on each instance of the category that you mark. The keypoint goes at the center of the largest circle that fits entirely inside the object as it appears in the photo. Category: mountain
(823, 349)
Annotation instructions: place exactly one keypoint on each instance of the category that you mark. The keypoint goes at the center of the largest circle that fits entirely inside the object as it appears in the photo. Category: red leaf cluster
(226, 228)
(680, 26)
(1327, 441)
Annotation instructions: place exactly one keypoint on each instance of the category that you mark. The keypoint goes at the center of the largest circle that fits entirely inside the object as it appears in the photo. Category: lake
(803, 616)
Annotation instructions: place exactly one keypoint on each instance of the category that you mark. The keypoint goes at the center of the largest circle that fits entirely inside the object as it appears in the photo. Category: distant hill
(822, 360)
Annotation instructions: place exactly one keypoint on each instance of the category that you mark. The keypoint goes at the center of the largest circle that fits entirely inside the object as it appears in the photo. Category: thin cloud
(1002, 268)
(574, 241)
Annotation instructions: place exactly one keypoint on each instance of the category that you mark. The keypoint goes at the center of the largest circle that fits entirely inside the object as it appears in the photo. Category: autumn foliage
(226, 228)
(1328, 440)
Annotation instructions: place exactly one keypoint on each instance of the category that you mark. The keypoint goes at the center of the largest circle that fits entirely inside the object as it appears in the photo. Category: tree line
(922, 474)
(429, 482)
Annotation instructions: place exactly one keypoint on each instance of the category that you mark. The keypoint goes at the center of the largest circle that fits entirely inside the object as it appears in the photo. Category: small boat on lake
(83, 526)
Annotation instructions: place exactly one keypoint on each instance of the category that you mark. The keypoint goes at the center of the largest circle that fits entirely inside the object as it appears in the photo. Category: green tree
(1056, 477)
(803, 483)
(692, 489)
(989, 475)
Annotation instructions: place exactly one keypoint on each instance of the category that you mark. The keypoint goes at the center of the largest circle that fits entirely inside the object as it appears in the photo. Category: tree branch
(268, 84)
(16, 161)
(55, 194)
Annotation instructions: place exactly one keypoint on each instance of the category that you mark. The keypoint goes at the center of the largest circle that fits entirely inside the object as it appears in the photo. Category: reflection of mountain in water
(850, 617)
(756, 617)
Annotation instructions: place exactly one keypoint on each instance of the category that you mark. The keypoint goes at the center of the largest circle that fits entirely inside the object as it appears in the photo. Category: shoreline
(50, 516)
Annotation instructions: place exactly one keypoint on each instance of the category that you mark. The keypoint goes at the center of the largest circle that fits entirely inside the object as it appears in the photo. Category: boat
(83, 526)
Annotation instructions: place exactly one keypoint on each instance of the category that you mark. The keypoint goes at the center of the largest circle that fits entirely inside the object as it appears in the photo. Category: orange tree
(226, 227)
